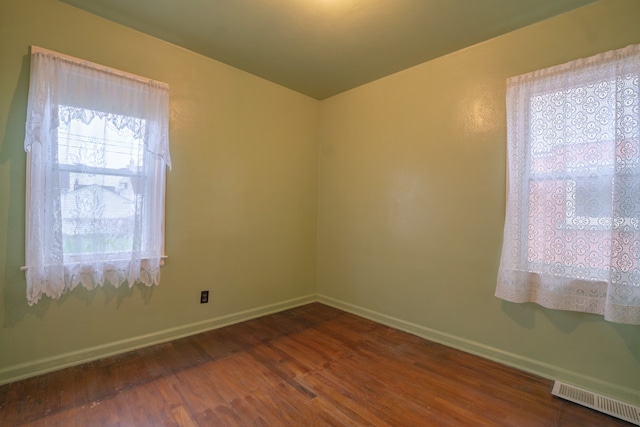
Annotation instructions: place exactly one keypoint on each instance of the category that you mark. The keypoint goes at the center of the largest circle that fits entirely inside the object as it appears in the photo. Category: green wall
(241, 198)
(412, 199)
(400, 183)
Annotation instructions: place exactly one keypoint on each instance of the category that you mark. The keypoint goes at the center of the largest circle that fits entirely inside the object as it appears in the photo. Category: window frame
(583, 221)
(544, 259)
(72, 168)
(80, 168)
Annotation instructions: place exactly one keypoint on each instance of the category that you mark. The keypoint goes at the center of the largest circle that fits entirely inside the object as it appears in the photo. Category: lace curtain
(571, 236)
(97, 144)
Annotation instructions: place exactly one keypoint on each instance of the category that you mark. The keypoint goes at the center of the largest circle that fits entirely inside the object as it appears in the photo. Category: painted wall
(412, 199)
(410, 203)
(241, 198)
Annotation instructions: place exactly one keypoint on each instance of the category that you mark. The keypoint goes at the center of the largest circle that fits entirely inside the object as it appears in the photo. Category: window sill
(162, 262)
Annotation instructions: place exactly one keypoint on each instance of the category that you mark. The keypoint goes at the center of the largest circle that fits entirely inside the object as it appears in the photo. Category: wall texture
(241, 198)
(408, 190)
(412, 199)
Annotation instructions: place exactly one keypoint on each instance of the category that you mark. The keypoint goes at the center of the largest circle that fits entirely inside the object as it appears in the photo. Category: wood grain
(309, 366)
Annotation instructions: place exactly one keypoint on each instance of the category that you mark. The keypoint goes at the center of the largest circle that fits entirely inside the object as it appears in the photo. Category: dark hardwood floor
(309, 366)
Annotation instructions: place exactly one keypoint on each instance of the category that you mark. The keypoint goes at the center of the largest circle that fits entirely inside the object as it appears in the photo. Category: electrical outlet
(204, 297)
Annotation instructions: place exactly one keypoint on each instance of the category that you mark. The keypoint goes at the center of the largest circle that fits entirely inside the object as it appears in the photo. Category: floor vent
(609, 406)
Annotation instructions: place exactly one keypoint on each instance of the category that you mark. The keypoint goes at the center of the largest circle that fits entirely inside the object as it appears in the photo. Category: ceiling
(324, 47)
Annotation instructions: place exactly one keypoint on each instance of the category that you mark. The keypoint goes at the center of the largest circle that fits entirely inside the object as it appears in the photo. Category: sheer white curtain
(571, 236)
(97, 143)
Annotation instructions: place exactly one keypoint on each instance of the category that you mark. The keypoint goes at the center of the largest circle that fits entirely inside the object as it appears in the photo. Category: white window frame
(150, 158)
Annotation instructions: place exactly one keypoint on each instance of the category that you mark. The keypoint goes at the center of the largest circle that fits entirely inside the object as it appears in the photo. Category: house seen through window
(579, 164)
(101, 175)
(572, 226)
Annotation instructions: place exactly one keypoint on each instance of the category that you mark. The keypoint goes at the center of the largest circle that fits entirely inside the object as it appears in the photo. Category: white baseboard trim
(506, 358)
(42, 366)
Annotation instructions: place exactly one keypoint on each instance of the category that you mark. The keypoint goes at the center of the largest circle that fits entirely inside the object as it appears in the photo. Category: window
(97, 144)
(572, 228)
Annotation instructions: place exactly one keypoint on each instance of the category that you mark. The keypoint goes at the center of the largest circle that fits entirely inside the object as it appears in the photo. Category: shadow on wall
(568, 321)
(13, 157)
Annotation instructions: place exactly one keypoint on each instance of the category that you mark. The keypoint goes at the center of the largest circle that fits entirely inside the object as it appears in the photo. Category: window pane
(101, 164)
(593, 197)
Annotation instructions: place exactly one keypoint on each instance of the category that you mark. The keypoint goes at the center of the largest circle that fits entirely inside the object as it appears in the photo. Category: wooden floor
(309, 366)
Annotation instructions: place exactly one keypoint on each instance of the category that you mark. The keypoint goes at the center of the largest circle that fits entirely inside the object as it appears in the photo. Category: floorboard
(309, 366)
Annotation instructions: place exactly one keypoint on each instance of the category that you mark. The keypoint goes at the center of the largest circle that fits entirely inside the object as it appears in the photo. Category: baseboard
(506, 358)
(42, 366)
